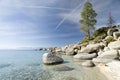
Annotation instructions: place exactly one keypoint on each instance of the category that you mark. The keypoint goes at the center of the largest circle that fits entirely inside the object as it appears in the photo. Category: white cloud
(26, 7)
(75, 17)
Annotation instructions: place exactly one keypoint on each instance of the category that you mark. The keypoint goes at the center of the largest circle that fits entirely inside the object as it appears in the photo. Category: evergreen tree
(88, 19)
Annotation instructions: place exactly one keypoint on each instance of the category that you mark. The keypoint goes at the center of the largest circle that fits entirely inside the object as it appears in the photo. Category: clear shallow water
(27, 65)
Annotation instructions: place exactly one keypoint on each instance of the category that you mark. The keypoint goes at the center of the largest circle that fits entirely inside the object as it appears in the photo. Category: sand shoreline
(111, 71)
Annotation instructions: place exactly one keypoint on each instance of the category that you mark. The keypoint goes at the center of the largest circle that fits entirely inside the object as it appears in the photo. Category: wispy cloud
(44, 7)
(70, 14)
(47, 36)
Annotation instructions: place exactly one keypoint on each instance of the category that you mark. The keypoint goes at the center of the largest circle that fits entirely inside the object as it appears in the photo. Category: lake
(27, 65)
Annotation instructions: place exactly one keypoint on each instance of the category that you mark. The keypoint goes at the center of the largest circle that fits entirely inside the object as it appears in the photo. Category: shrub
(100, 32)
(97, 39)
(85, 39)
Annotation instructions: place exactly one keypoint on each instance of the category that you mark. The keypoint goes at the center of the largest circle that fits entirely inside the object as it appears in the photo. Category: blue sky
(45, 23)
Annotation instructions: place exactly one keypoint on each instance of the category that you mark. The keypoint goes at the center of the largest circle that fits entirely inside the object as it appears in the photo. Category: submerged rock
(34, 64)
(49, 58)
(88, 63)
(85, 56)
(62, 68)
(69, 78)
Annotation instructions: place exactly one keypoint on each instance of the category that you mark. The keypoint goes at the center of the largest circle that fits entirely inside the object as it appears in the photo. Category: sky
(48, 23)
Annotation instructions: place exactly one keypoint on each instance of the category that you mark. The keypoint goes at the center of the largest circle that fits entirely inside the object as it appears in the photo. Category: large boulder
(92, 48)
(111, 54)
(58, 50)
(83, 45)
(111, 30)
(106, 49)
(88, 63)
(97, 61)
(114, 45)
(85, 56)
(116, 35)
(77, 46)
(49, 58)
(70, 50)
(64, 48)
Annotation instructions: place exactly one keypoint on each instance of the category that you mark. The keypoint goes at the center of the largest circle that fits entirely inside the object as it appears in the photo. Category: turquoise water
(27, 65)
(16, 65)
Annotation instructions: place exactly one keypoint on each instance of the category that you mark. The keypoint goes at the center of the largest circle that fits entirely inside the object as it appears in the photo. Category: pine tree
(88, 19)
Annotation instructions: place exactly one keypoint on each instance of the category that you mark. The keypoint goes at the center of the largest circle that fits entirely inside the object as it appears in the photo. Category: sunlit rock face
(114, 45)
(85, 56)
(92, 48)
(111, 54)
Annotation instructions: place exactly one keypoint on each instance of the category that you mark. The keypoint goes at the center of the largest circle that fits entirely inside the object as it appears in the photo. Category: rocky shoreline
(101, 54)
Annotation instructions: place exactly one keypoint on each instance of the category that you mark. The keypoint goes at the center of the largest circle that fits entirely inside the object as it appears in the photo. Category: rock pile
(93, 53)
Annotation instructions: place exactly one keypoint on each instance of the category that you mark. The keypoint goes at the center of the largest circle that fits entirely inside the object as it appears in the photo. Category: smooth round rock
(91, 48)
(85, 56)
(111, 54)
(50, 59)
